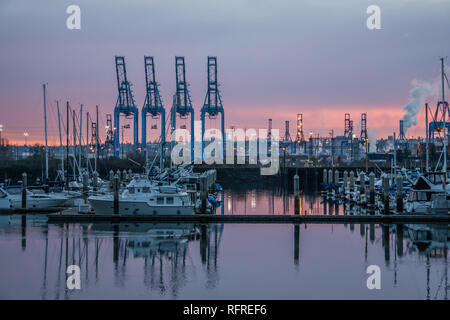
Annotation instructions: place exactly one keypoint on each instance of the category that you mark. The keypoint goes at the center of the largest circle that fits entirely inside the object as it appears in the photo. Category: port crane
(153, 105)
(212, 105)
(125, 105)
(182, 104)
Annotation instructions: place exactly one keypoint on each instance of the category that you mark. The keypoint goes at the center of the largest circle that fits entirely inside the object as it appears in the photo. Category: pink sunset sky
(275, 59)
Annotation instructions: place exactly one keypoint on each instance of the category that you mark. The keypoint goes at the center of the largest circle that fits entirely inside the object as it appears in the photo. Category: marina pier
(79, 218)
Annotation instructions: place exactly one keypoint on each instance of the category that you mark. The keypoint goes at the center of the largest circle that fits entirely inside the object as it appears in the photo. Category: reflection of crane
(207, 251)
(182, 104)
(125, 104)
(152, 104)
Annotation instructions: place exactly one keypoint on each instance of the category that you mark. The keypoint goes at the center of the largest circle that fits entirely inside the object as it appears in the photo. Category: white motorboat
(70, 196)
(5, 204)
(143, 197)
(35, 199)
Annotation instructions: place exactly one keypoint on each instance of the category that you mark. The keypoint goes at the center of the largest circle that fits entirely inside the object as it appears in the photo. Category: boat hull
(126, 207)
(16, 203)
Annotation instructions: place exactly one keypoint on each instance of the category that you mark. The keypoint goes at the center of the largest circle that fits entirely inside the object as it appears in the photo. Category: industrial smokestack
(401, 135)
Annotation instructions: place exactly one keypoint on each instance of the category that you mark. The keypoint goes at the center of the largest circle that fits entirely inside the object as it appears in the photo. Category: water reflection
(167, 261)
(278, 200)
(272, 201)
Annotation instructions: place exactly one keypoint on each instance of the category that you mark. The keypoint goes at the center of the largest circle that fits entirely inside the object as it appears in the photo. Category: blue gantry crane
(152, 104)
(213, 102)
(125, 105)
(182, 104)
(440, 118)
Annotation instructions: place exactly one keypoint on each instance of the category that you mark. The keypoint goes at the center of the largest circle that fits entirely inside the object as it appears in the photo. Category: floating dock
(204, 218)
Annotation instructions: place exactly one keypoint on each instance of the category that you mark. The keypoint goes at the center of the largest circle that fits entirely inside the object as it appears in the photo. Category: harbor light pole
(1, 130)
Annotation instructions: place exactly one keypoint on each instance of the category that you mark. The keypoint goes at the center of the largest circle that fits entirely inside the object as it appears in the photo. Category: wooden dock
(197, 218)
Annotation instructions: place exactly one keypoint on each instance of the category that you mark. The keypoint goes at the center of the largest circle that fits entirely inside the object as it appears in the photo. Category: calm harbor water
(224, 261)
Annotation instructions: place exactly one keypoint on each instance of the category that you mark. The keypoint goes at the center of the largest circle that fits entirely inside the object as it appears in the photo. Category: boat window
(14, 191)
(421, 196)
(159, 200)
(2, 194)
(131, 190)
(138, 190)
(438, 179)
(169, 200)
(145, 189)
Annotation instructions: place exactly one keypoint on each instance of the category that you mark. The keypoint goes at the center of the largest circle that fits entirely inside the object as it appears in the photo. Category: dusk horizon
(317, 59)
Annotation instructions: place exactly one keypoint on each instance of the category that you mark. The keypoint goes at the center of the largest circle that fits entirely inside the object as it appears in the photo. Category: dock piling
(95, 180)
(345, 185)
(372, 190)
(385, 184)
(352, 181)
(203, 192)
(24, 190)
(111, 178)
(399, 195)
(336, 182)
(116, 194)
(85, 179)
(330, 182)
(296, 194)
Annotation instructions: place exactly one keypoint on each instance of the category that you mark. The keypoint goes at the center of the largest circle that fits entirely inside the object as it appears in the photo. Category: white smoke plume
(372, 135)
(421, 91)
(419, 94)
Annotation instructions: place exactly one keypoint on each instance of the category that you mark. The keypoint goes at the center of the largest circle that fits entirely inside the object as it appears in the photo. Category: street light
(25, 134)
(1, 130)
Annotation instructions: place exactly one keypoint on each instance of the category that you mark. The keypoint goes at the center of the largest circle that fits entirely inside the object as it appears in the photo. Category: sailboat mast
(45, 126)
(67, 147)
(79, 142)
(60, 139)
(74, 144)
(427, 133)
(444, 106)
(87, 141)
(96, 138)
